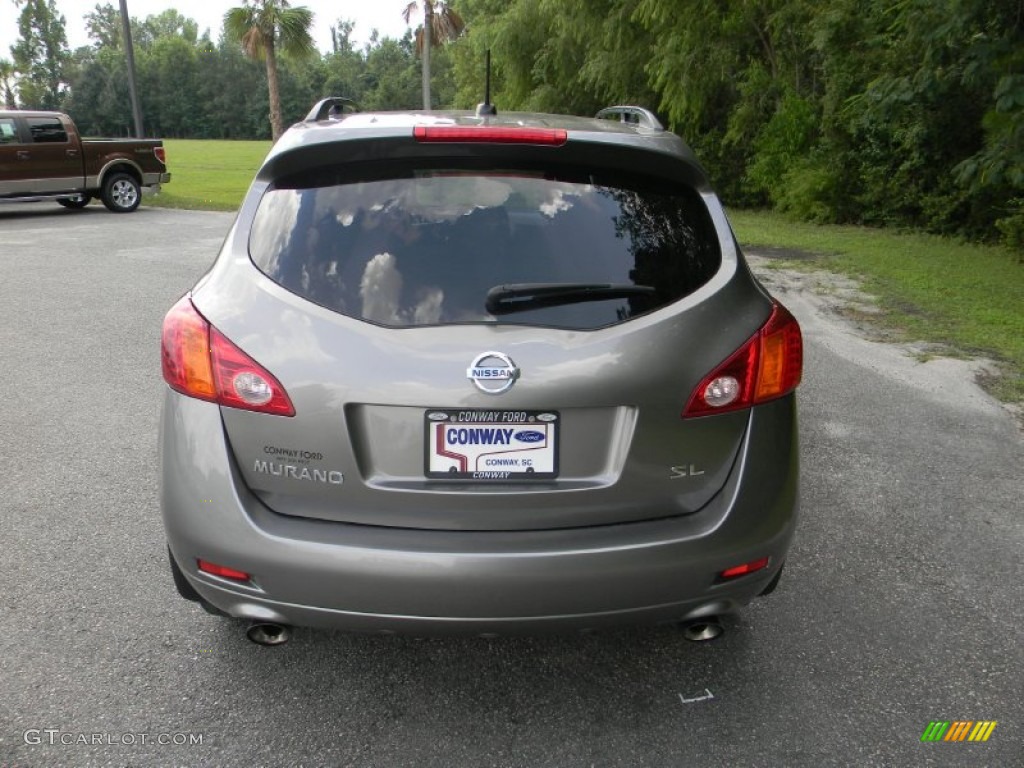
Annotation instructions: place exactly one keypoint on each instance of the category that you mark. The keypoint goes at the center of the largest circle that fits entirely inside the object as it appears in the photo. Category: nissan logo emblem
(493, 372)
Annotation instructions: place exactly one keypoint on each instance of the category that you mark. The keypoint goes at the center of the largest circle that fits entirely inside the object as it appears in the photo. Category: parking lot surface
(901, 603)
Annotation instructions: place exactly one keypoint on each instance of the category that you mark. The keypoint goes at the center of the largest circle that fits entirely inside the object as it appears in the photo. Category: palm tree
(264, 28)
(444, 25)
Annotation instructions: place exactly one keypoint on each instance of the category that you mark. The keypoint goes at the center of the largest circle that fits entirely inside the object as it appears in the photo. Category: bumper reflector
(223, 571)
(742, 570)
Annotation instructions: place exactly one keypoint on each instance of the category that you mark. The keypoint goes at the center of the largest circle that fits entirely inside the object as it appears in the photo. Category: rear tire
(76, 202)
(121, 193)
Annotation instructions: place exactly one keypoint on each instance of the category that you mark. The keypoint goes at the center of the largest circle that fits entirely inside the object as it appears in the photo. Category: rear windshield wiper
(520, 297)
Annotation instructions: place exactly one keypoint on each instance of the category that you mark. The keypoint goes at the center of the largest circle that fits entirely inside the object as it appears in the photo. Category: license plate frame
(491, 445)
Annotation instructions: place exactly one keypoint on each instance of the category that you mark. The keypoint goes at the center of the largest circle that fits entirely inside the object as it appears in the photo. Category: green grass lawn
(969, 298)
(209, 175)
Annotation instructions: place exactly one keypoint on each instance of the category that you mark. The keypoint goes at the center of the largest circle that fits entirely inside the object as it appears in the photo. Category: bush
(812, 190)
(1012, 228)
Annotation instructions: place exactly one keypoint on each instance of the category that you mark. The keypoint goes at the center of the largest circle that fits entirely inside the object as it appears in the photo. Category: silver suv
(478, 373)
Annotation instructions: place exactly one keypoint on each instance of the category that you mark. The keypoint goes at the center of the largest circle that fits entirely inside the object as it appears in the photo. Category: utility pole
(133, 92)
(428, 34)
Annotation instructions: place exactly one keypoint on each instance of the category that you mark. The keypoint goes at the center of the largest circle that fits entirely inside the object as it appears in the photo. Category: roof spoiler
(331, 108)
(631, 115)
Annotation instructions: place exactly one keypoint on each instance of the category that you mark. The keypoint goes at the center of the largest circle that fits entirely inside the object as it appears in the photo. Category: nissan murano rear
(484, 374)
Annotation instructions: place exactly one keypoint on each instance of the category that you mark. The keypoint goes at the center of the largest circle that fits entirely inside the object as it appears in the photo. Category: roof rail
(330, 108)
(631, 115)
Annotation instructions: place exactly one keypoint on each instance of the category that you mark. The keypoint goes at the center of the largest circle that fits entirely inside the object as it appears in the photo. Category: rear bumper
(155, 179)
(365, 578)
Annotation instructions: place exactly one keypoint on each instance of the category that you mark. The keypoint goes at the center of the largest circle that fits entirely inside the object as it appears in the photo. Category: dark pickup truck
(43, 157)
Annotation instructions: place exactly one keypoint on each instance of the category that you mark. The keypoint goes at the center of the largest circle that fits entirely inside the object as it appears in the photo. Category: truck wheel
(121, 193)
(78, 201)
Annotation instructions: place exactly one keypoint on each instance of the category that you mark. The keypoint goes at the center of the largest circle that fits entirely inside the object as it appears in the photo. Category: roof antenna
(487, 109)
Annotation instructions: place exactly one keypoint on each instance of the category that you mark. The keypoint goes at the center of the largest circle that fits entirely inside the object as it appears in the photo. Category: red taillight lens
(767, 366)
(485, 134)
(161, 154)
(199, 361)
(782, 356)
(742, 570)
(185, 352)
(223, 571)
(243, 383)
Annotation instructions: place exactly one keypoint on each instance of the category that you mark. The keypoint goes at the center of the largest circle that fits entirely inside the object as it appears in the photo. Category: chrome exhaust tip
(702, 630)
(268, 633)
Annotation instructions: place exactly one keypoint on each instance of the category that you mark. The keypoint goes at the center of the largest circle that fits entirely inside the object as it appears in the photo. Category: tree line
(882, 112)
(193, 86)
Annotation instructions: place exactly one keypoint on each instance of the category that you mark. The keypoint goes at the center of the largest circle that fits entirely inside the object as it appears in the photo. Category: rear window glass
(426, 247)
(47, 130)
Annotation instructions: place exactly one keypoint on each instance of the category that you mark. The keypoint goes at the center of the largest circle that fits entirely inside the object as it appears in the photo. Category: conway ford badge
(493, 372)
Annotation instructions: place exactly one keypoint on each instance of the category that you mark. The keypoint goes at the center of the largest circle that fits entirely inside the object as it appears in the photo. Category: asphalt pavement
(901, 604)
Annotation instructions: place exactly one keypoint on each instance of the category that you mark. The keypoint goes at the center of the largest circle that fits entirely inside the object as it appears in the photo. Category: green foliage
(7, 72)
(171, 78)
(918, 119)
(885, 112)
(169, 24)
(1012, 227)
(194, 88)
(810, 189)
(905, 113)
(391, 79)
(40, 55)
(99, 93)
(998, 168)
(265, 28)
(721, 72)
(442, 24)
(572, 56)
(782, 144)
(103, 24)
(231, 101)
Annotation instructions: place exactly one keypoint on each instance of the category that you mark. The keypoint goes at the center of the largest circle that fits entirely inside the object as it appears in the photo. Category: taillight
(766, 367)
(161, 154)
(199, 361)
(486, 134)
(186, 352)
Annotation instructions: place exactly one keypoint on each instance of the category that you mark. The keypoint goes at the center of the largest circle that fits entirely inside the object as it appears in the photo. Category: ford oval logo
(492, 372)
(529, 436)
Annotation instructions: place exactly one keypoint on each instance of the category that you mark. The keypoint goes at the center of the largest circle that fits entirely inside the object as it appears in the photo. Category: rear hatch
(501, 339)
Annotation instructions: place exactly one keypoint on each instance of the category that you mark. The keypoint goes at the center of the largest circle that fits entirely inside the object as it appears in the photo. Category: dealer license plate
(491, 446)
